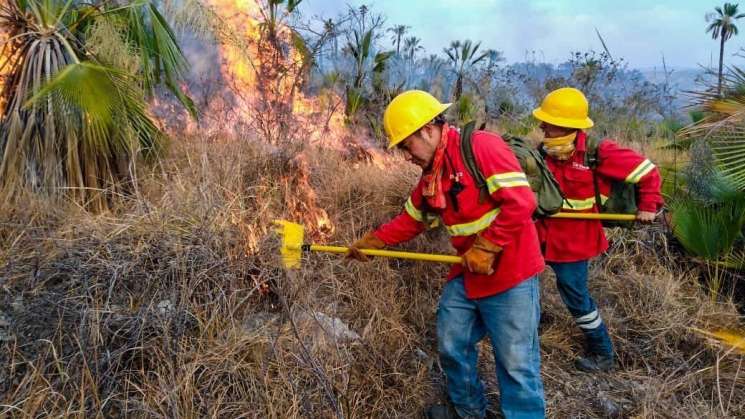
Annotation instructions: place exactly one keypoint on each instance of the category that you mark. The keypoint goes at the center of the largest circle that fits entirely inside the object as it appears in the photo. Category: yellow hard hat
(408, 112)
(566, 107)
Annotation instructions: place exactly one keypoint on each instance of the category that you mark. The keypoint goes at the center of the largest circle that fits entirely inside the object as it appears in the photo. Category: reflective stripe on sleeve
(642, 169)
(473, 227)
(413, 212)
(506, 180)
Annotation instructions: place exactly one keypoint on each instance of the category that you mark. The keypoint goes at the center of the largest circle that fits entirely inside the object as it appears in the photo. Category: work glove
(480, 257)
(368, 241)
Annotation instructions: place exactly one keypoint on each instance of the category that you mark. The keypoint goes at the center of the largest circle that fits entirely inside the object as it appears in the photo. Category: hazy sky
(638, 30)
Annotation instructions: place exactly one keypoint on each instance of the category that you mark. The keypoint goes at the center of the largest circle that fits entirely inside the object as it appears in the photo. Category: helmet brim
(583, 123)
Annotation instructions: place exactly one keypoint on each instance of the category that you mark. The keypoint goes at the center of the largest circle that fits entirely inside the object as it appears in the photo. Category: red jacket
(566, 240)
(505, 219)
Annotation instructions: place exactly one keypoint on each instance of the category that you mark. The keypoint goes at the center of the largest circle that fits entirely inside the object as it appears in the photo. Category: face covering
(433, 192)
(560, 148)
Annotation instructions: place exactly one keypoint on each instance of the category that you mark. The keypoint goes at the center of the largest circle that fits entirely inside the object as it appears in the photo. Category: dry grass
(650, 307)
(159, 309)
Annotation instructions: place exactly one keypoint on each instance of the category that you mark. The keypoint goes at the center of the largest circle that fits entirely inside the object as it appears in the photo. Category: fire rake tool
(293, 247)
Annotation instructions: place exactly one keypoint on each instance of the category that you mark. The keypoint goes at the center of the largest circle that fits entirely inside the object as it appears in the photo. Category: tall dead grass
(175, 305)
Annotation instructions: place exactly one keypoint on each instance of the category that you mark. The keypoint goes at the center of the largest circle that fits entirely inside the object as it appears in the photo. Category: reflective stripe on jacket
(574, 240)
(504, 219)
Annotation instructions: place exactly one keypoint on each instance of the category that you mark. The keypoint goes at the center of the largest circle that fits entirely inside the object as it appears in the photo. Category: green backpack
(623, 196)
(542, 182)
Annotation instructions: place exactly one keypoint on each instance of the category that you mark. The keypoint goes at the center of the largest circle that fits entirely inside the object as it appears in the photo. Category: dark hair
(440, 120)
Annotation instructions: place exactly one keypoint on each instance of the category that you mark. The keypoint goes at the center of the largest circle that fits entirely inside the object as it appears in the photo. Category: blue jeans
(511, 321)
(571, 280)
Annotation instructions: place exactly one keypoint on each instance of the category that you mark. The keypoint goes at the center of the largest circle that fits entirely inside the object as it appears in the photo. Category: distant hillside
(682, 79)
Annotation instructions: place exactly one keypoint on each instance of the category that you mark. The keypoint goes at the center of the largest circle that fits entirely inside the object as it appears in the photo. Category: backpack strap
(591, 152)
(466, 151)
(541, 152)
(592, 160)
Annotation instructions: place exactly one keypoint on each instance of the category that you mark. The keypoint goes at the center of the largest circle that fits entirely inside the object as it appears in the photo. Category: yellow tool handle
(593, 216)
(388, 253)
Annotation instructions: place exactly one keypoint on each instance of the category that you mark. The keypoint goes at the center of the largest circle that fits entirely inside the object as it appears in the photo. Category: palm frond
(87, 88)
(292, 5)
(380, 60)
(721, 123)
(707, 231)
(105, 98)
(480, 58)
(728, 147)
(161, 57)
(193, 15)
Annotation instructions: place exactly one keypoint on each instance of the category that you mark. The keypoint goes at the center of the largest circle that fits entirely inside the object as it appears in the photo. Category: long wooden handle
(593, 216)
(387, 253)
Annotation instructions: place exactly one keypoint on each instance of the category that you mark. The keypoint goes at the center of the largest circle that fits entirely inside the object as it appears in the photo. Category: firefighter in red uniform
(569, 244)
(496, 291)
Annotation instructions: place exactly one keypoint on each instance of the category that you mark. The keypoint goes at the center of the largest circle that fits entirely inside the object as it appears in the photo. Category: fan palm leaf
(161, 57)
(708, 231)
(105, 98)
(723, 126)
(728, 147)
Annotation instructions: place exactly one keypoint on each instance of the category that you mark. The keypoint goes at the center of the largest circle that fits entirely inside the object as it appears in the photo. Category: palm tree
(723, 27)
(331, 28)
(74, 110)
(367, 64)
(495, 57)
(463, 56)
(411, 46)
(397, 33)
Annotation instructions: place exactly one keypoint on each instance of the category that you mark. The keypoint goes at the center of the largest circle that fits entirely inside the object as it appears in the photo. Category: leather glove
(368, 241)
(480, 257)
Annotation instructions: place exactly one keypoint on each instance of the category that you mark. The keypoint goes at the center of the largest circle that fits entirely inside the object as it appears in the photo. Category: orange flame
(257, 72)
(301, 201)
(257, 68)
(247, 64)
(4, 69)
(242, 17)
